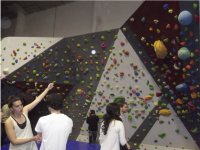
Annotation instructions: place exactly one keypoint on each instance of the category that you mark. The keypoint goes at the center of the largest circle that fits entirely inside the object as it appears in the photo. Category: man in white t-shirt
(56, 127)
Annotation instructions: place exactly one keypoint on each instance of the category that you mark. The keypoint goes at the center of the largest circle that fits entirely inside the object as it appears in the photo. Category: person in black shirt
(92, 121)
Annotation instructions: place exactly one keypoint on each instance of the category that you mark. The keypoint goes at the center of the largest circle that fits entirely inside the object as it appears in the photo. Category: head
(123, 107)
(113, 110)
(121, 101)
(15, 105)
(92, 112)
(55, 101)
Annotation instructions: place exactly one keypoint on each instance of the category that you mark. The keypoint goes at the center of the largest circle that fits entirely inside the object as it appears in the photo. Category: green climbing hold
(100, 115)
(130, 118)
(195, 130)
(195, 5)
(34, 71)
(134, 127)
(161, 121)
(177, 130)
(162, 135)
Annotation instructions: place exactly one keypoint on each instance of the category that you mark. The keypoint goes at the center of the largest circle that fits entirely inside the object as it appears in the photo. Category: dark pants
(92, 136)
(3, 134)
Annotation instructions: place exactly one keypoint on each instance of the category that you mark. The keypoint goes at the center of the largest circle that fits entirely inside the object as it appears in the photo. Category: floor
(71, 145)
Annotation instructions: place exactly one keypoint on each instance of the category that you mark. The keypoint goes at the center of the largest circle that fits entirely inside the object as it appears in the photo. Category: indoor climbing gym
(100, 75)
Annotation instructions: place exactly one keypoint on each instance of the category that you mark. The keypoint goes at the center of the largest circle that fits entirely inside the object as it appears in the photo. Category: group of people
(54, 129)
(112, 130)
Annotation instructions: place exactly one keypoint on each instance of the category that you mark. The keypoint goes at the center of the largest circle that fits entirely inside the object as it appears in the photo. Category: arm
(30, 106)
(12, 137)
(97, 119)
(122, 137)
(87, 119)
(101, 136)
(71, 126)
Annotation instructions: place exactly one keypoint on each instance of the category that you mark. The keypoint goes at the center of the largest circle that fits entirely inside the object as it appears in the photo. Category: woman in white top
(18, 127)
(112, 132)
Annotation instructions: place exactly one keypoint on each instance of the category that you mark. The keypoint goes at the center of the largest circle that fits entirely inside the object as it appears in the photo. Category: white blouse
(114, 137)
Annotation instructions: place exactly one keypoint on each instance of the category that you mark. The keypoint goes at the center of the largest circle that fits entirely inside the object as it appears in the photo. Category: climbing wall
(152, 61)
(17, 51)
(164, 39)
(168, 36)
(125, 75)
(150, 121)
(75, 64)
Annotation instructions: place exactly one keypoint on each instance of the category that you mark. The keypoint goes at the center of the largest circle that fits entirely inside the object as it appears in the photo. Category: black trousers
(92, 136)
(3, 134)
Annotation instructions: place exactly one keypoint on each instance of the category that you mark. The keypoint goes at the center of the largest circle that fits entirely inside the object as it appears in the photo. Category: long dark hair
(112, 113)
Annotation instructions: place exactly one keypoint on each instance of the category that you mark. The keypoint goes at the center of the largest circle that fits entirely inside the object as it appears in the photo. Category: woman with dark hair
(18, 127)
(112, 132)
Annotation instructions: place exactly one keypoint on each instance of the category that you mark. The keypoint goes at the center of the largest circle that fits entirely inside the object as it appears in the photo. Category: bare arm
(11, 134)
(30, 106)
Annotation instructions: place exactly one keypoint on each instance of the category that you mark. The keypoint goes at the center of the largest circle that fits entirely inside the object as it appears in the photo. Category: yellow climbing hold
(160, 49)
(165, 112)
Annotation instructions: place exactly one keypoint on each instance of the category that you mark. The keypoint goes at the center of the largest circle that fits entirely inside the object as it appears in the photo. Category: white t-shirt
(55, 129)
(114, 137)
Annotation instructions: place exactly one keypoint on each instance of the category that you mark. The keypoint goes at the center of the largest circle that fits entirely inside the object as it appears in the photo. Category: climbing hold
(185, 17)
(183, 53)
(165, 112)
(182, 87)
(162, 135)
(160, 49)
(6, 71)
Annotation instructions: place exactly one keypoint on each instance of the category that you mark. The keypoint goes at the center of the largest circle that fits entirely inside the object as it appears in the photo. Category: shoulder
(8, 122)
(70, 119)
(118, 122)
(67, 118)
(43, 118)
(25, 114)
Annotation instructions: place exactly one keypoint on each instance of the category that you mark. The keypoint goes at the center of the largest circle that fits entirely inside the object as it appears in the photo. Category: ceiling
(9, 8)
